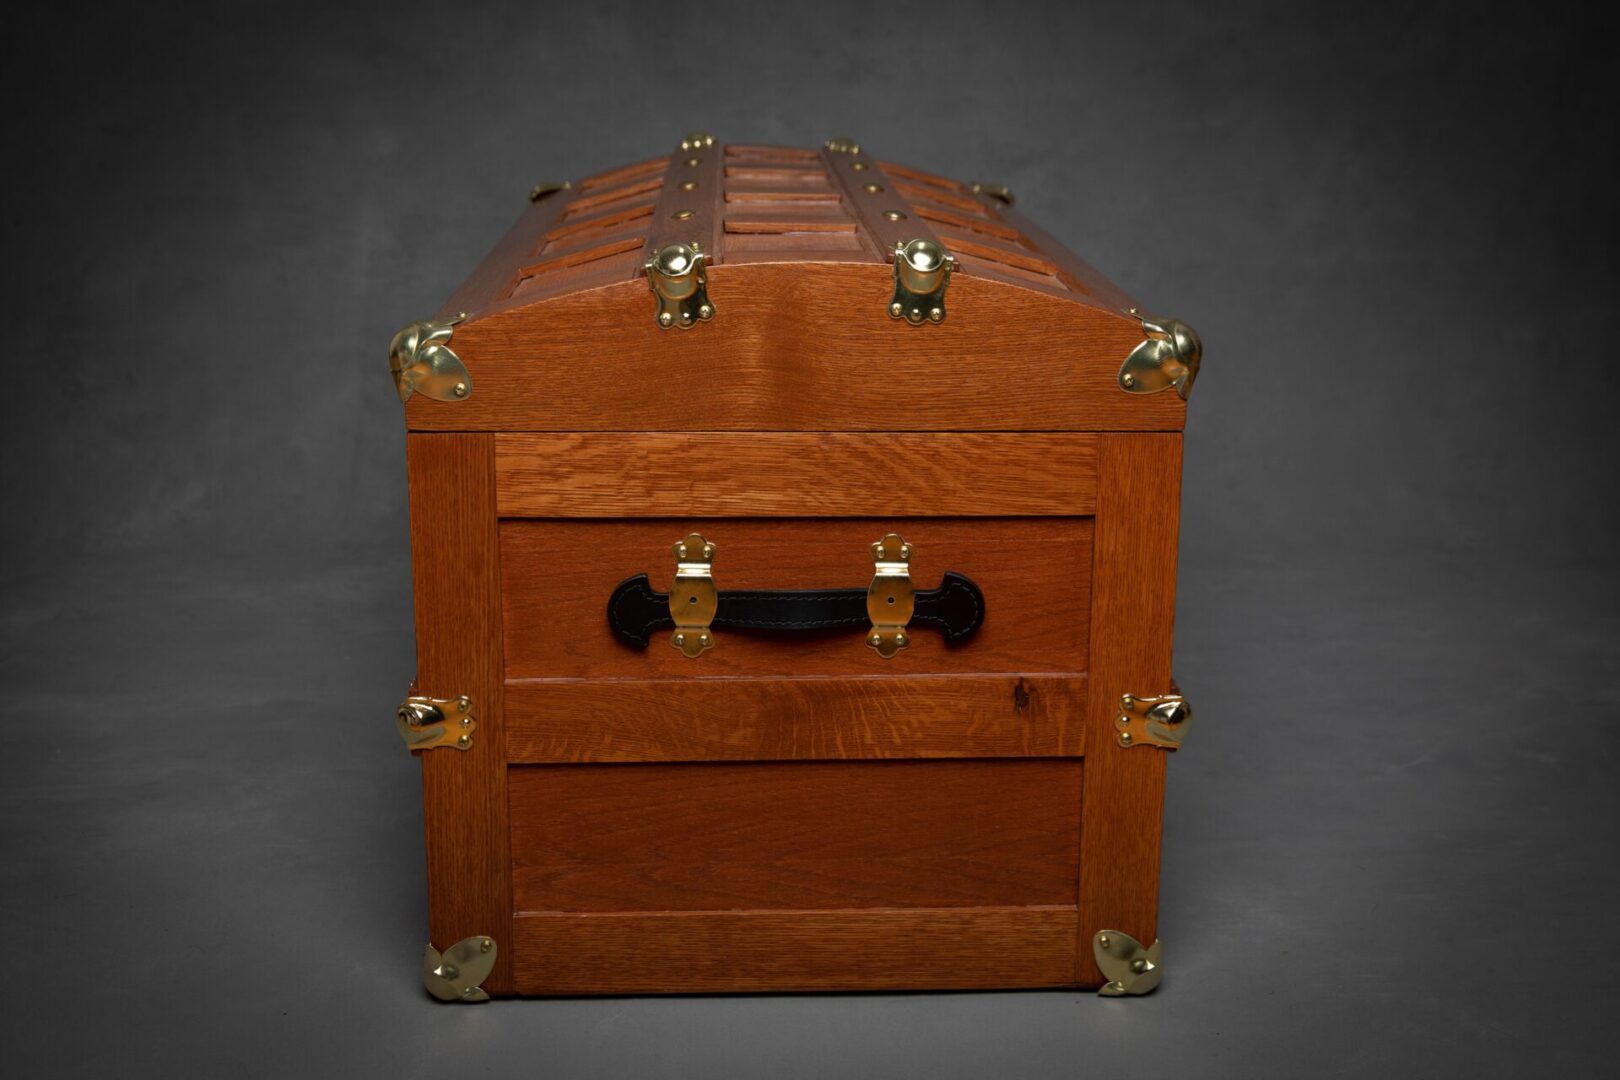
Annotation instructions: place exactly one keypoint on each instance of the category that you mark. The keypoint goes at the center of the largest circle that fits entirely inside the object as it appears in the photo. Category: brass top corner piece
(922, 271)
(540, 191)
(454, 975)
(1169, 357)
(999, 192)
(422, 362)
(679, 284)
(1129, 968)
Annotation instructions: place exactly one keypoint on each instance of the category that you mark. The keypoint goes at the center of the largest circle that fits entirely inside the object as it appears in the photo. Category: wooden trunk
(789, 811)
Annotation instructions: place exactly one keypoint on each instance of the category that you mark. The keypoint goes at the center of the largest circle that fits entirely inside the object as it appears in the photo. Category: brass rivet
(1128, 379)
(858, 166)
(895, 309)
(1124, 738)
(461, 389)
(470, 991)
(665, 318)
(680, 639)
(1103, 940)
(1139, 965)
(875, 189)
(1132, 311)
(705, 311)
(465, 740)
(688, 185)
(936, 314)
(486, 945)
(682, 215)
(693, 162)
(466, 721)
(894, 215)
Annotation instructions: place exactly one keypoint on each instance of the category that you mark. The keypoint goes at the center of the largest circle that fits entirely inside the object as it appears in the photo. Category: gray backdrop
(1391, 838)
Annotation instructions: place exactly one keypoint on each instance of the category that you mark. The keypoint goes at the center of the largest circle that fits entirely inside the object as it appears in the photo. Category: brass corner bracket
(1153, 721)
(540, 191)
(421, 361)
(1129, 968)
(1169, 357)
(454, 975)
(998, 192)
(428, 723)
(922, 270)
(679, 283)
(891, 599)
(693, 599)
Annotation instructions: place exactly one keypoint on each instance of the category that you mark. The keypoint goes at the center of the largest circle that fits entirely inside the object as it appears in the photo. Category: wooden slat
(1132, 617)
(713, 952)
(1080, 276)
(796, 835)
(559, 574)
(691, 186)
(492, 280)
(955, 716)
(456, 575)
(782, 474)
(874, 196)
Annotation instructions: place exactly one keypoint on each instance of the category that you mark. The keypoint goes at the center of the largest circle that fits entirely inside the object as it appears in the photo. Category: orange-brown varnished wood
(458, 651)
(723, 951)
(1132, 618)
(559, 574)
(493, 279)
(790, 349)
(802, 718)
(795, 836)
(783, 474)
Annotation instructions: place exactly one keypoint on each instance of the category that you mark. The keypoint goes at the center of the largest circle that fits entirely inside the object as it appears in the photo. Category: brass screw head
(692, 162)
(1102, 939)
(1128, 379)
(682, 215)
(465, 740)
(486, 945)
(873, 189)
(858, 166)
(894, 215)
(688, 185)
(461, 389)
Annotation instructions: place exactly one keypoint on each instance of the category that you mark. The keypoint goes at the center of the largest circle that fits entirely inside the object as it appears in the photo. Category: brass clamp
(679, 283)
(1153, 721)
(693, 599)
(454, 975)
(891, 600)
(922, 270)
(428, 723)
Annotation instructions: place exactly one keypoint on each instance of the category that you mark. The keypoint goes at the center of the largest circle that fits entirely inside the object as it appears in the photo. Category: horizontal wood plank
(788, 474)
(724, 951)
(796, 719)
(557, 575)
(795, 835)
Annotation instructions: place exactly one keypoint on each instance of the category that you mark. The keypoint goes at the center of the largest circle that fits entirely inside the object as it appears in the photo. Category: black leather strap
(635, 611)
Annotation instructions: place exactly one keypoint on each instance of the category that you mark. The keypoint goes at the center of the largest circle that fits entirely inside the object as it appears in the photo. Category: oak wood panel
(1080, 276)
(558, 575)
(789, 348)
(796, 835)
(456, 575)
(715, 952)
(1139, 496)
(913, 716)
(786, 474)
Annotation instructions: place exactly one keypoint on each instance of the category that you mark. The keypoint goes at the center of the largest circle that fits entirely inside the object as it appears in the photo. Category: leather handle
(636, 611)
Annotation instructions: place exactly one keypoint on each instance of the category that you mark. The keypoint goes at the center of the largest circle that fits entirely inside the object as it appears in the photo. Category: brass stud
(692, 162)
(682, 215)
(1102, 939)
(665, 318)
(464, 741)
(1125, 738)
(875, 189)
(1127, 380)
(858, 166)
(896, 309)
(894, 215)
(486, 945)
(461, 389)
(688, 185)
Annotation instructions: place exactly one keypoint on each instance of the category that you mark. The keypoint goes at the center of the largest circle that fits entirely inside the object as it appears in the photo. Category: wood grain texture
(795, 836)
(784, 474)
(456, 575)
(725, 951)
(558, 575)
(914, 716)
(793, 347)
(1132, 620)
(492, 280)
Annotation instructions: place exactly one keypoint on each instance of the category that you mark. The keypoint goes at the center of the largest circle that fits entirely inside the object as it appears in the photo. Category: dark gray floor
(1391, 845)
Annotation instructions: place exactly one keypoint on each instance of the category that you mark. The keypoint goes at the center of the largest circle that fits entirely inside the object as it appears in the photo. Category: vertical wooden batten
(1132, 616)
(456, 546)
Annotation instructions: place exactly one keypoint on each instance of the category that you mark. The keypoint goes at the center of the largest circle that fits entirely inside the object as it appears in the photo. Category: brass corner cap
(1169, 357)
